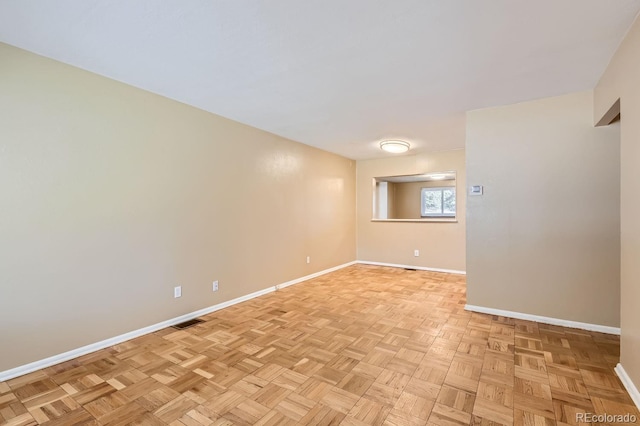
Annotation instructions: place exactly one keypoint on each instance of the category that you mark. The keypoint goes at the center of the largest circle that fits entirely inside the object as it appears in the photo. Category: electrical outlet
(177, 292)
(215, 285)
(416, 253)
(308, 259)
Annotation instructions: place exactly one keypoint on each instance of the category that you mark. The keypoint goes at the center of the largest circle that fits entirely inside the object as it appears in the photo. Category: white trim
(545, 320)
(421, 268)
(74, 353)
(314, 275)
(421, 220)
(628, 384)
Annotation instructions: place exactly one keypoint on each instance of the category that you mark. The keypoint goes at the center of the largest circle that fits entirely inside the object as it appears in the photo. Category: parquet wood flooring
(365, 345)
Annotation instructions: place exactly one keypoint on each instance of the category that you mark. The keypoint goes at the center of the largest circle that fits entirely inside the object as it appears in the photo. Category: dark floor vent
(410, 269)
(187, 324)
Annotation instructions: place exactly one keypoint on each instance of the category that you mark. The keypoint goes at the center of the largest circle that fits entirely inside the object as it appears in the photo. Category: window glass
(438, 202)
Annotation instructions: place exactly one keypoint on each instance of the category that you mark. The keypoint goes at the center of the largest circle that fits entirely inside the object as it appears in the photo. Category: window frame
(441, 189)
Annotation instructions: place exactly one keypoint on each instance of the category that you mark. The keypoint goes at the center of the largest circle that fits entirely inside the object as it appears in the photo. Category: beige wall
(544, 237)
(621, 80)
(110, 196)
(441, 245)
(408, 197)
(391, 197)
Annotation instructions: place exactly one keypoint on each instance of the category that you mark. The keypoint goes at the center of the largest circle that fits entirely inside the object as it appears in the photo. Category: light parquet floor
(365, 345)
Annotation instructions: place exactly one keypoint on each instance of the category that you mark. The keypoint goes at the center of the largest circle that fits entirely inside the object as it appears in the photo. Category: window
(438, 202)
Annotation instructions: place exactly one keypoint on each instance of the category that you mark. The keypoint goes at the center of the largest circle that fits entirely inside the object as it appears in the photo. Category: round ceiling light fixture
(395, 146)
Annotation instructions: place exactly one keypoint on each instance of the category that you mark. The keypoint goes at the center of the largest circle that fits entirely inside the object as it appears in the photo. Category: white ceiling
(336, 74)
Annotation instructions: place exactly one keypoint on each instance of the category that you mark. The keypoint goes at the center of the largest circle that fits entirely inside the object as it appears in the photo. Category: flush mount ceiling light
(395, 146)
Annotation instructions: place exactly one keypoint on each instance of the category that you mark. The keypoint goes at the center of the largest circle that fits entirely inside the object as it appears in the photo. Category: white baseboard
(545, 320)
(421, 268)
(84, 350)
(314, 275)
(628, 384)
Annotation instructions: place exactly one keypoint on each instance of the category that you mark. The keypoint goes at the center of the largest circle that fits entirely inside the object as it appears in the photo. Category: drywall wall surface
(110, 196)
(441, 245)
(408, 197)
(621, 80)
(544, 239)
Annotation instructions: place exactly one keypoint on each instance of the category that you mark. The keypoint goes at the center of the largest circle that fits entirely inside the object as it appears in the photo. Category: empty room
(357, 212)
